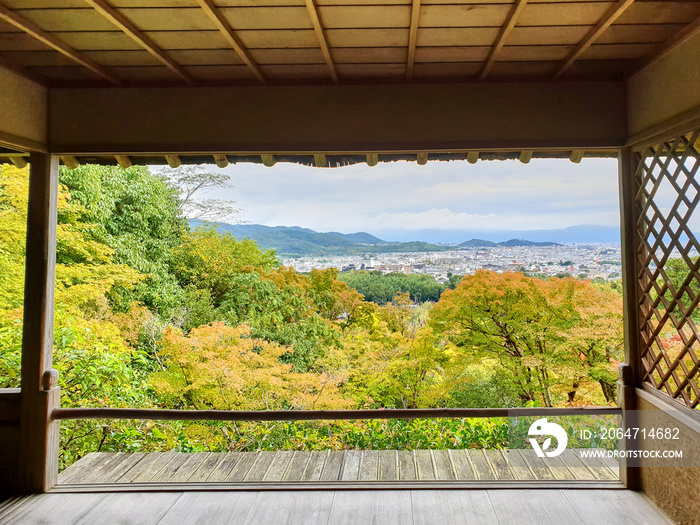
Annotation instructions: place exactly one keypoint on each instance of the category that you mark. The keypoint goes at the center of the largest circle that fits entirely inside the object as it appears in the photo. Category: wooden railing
(308, 415)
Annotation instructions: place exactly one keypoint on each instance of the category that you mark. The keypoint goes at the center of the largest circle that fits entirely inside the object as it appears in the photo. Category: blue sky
(401, 197)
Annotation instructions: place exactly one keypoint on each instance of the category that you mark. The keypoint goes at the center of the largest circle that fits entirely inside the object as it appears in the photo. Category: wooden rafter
(610, 16)
(576, 156)
(268, 160)
(322, 40)
(70, 162)
(221, 160)
(412, 38)
(503, 34)
(683, 35)
(372, 159)
(525, 156)
(32, 29)
(229, 34)
(123, 160)
(18, 70)
(320, 160)
(422, 159)
(137, 36)
(19, 162)
(173, 161)
(472, 157)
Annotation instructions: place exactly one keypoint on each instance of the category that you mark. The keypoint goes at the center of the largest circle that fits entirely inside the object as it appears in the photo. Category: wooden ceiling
(229, 42)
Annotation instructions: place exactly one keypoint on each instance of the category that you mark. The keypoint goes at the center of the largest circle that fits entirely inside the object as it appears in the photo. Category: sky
(398, 199)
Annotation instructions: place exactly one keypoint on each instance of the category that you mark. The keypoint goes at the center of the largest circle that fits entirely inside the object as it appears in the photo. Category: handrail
(308, 415)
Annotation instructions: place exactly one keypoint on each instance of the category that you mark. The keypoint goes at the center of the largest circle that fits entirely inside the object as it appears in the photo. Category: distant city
(579, 260)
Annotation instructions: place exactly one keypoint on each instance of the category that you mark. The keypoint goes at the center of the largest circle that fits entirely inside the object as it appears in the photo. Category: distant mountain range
(293, 241)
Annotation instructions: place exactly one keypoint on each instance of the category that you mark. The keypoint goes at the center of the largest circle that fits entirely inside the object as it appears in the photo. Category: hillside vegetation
(152, 313)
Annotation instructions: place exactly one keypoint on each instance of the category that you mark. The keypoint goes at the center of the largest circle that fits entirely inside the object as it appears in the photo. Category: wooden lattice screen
(667, 186)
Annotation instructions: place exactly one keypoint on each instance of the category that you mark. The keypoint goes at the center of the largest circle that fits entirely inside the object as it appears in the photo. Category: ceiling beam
(221, 160)
(137, 36)
(229, 34)
(53, 42)
(412, 38)
(70, 162)
(672, 43)
(173, 161)
(322, 40)
(609, 17)
(503, 34)
(123, 160)
(19, 70)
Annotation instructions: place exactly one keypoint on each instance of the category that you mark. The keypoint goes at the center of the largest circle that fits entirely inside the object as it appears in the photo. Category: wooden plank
(351, 465)
(614, 506)
(315, 16)
(297, 465)
(123, 23)
(53, 42)
(452, 507)
(143, 507)
(165, 475)
(259, 468)
(672, 43)
(371, 507)
(599, 469)
(424, 465)
(152, 470)
(110, 470)
(391, 37)
(612, 14)
(499, 464)
(538, 466)
(443, 465)
(534, 506)
(191, 465)
(210, 465)
(369, 466)
(220, 471)
(314, 466)
(230, 36)
(50, 508)
(211, 508)
(484, 15)
(243, 466)
(291, 507)
(503, 34)
(76, 469)
(481, 465)
(412, 38)
(388, 465)
(462, 464)
(146, 461)
(278, 467)
(320, 160)
(518, 466)
(332, 465)
(668, 12)
(407, 465)
(576, 466)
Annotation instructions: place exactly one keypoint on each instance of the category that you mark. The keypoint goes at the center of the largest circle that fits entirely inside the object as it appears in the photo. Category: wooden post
(38, 465)
(630, 372)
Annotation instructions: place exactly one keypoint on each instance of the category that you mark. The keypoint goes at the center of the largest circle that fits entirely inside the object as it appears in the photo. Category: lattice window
(667, 194)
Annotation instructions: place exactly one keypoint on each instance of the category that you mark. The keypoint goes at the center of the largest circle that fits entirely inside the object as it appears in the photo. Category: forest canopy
(152, 313)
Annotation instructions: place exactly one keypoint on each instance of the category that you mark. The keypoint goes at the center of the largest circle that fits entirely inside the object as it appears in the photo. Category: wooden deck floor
(405, 507)
(348, 465)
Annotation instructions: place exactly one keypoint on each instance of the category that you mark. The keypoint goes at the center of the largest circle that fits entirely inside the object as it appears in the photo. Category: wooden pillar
(38, 465)
(630, 371)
